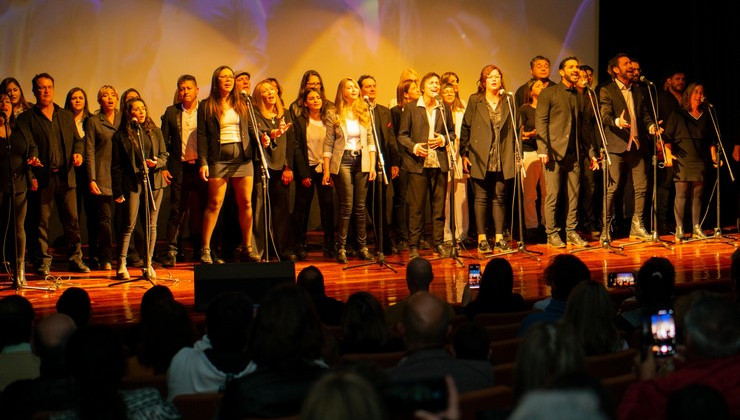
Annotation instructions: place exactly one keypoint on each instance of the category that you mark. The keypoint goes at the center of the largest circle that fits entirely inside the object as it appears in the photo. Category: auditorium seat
(502, 332)
(503, 374)
(504, 351)
(384, 360)
(198, 406)
(494, 398)
(502, 318)
(612, 364)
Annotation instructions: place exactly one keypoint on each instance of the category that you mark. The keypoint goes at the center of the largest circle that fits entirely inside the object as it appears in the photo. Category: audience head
(419, 275)
(582, 381)
(343, 396)
(497, 281)
(655, 283)
(228, 321)
(363, 320)
(311, 280)
(50, 341)
(16, 320)
(471, 341)
(425, 322)
(546, 352)
(559, 405)
(563, 273)
(697, 401)
(713, 328)
(591, 312)
(287, 329)
(165, 331)
(153, 297)
(75, 302)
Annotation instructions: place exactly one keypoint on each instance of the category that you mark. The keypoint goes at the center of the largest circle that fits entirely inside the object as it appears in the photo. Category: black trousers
(379, 214)
(100, 230)
(302, 207)
(279, 215)
(65, 197)
(568, 170)
(400, 207)
(588, 197)
(490, 192)
(630, 161)
(18, 206)
(185, 184)
(430, 182)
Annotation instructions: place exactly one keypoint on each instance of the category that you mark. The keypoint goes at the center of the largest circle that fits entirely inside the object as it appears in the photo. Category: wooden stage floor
(697, 262)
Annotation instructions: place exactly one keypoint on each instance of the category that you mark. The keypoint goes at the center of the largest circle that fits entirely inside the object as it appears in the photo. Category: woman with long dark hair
(225, 152)
(310, 128)
(349, 162)
(12, 88)
(137, 142)
(98, 155)
(487, 150)
(311, 80)
(689, 142)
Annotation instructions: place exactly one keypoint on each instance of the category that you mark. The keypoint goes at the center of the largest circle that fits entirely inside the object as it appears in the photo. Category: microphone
(440, 102)
(644, 79)
(367, 99)
(704, 101)
(135, 123)
(502, 92)
(244, 93)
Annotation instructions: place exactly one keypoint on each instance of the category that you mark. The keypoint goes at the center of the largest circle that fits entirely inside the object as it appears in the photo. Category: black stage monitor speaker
(254, 279)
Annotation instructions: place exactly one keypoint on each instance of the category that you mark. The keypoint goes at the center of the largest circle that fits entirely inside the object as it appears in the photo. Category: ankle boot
(122, 272)
(679, 234)
(20, 275)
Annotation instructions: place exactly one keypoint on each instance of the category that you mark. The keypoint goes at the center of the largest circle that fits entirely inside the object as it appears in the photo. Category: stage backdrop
(147, 44)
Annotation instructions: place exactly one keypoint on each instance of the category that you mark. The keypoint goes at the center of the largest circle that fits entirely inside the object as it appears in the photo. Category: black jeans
(682, 189)
(66, 200)
(101, 236)
(400, 207)
(184, 184)
(570, 169)
(634, 162)
(430, 182)
(19, 206)
(490, 192)
(302, 207)
(351, 185)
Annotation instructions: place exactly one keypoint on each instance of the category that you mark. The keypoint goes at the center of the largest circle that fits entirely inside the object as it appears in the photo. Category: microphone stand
(378, 192)
(605, 240)
(146, 185)
(721, 156)
(519, 175)
(455, 170)
(264, 176)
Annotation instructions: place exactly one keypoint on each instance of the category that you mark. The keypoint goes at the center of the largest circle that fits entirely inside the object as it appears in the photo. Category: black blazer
(98, 139)
(555, 121)
(476, 134)
(31, 124)
(386, 136)
(124, 173)
(172, 133)
(414, 129)
(19, 153)
(612, 103)
(300, 155)
(209, 137)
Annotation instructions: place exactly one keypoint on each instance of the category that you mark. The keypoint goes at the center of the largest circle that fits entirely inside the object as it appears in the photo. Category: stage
(697, 264)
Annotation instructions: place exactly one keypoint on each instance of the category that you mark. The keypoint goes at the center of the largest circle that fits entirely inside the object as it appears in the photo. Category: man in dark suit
(423, 137)
(625, 116)
(560, 120)
(539, 69)
(389, 148)
(56, 149)
(179, 128)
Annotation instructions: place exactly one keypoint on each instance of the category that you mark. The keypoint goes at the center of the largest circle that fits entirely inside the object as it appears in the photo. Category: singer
(422, 134)
(225, 147)
(137, 142)
(349, 155)
(487, 150)
(689, 142)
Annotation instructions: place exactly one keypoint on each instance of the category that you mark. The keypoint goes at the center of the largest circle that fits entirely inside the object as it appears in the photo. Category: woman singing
(349, 160)
(532, 165)
(21, 179)
(279, 142)
(98, 155)
(137, 143)
(225, 150)
(310, 132)
(311, 80)
(12, 88)
(487, 148)
(689, 142)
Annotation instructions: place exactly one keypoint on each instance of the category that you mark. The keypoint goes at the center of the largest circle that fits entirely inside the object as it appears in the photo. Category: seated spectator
(471, 341)
(590, 311)
(95, 358)
(654, 287)
(165, 330)
(17, 361)
(343, 396)
(548, 351)
(425, 327)
(695, 402)
(153, 298)
(495, 294)
(363, 327)
(712, 359)
(329, 309)
(559, 405)
(54, 389)
(419, 276)
(563, 273)
(286, 345)
(221, 355)
(75, 302)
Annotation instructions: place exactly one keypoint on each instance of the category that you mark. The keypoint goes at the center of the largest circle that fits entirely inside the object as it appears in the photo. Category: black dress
(691, 139)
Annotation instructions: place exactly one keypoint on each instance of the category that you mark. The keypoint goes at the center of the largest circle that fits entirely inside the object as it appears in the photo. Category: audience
(697, 401)
(712, 359)
(654, 287)
(425, 328)
(559, 405)
(343, 396)
(471, 341)
(563, 273)
(329, 309)
(286, 345)
(496, 291)
(735, 273)
(590, 311)
(75, 302)
(363, 327)
(222, 354)
(17, 361)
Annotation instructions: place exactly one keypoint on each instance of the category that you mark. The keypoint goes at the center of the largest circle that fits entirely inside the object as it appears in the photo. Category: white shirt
(627, 94)
(229, 127)
(315, 134)
(431, 161)
(352, 125)
(189, 134)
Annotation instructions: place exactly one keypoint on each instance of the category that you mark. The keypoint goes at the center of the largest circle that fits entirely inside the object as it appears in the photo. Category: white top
(189, 134)
(229, 127)
(315, 134)
(352, 125)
